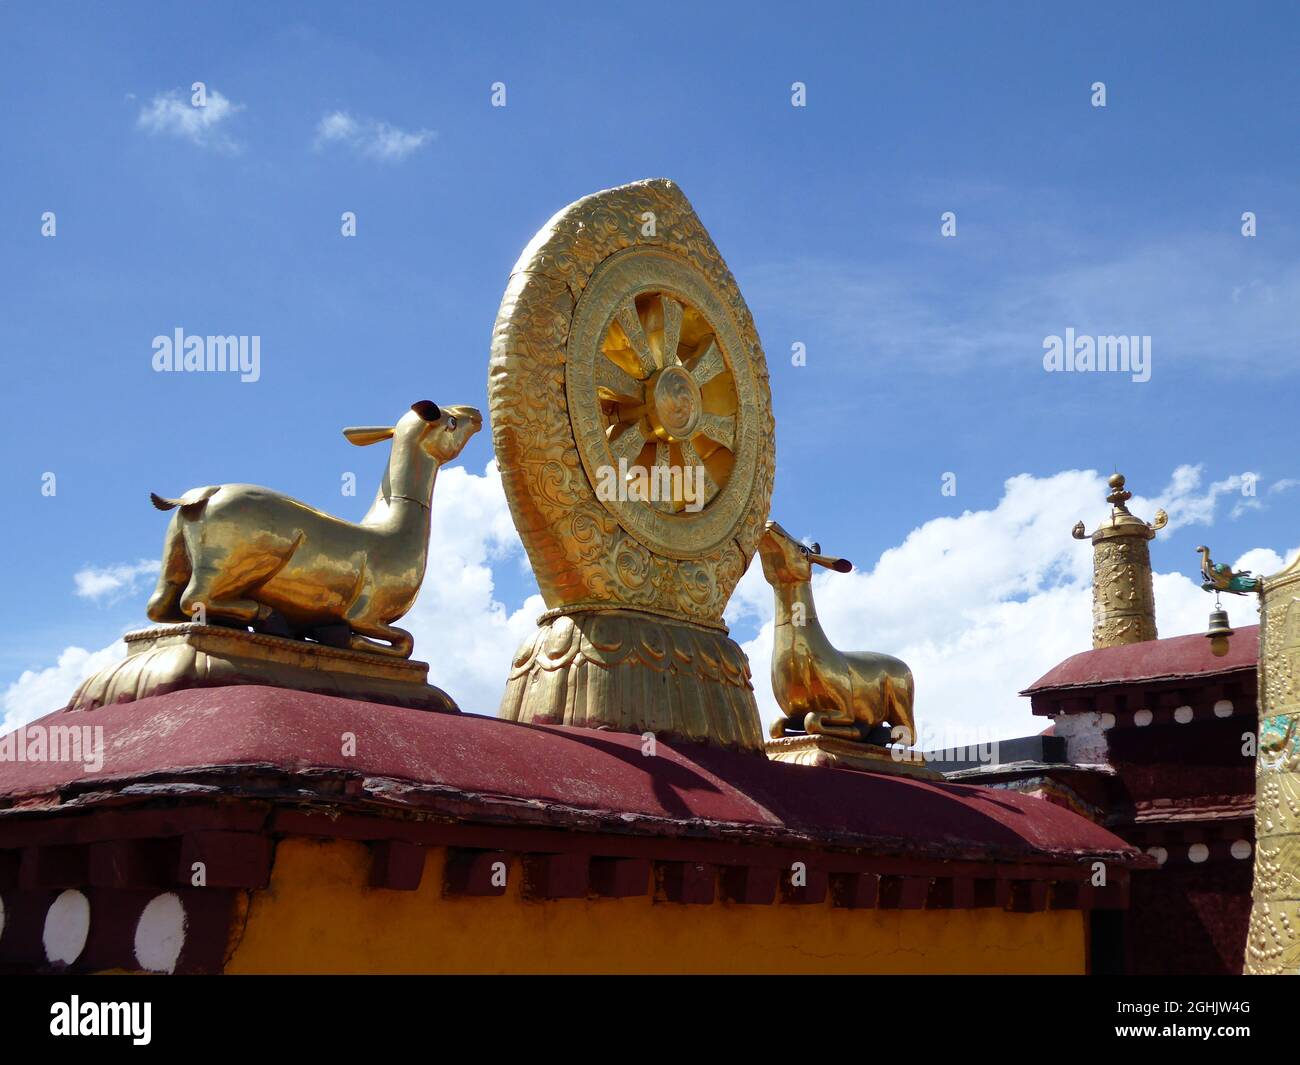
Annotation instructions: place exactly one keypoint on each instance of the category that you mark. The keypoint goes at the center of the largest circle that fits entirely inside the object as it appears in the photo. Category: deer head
(440, 432)
(423, 439)
(787, 561)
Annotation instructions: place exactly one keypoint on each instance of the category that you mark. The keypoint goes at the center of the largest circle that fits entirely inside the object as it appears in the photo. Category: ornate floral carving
(1123, 599)
(637, 674)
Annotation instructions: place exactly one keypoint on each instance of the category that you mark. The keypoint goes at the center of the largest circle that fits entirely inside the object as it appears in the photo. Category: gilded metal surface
(830, 753)
(635, 673)
(819, 689)
(623, 344)
(1273, 942)
(1220, 577)
(581, 343)
(651, 379)
(246, 555)
(1123, 600)
(213, 656)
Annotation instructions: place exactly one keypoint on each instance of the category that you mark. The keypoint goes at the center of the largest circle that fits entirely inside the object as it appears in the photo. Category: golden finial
(1118, 496)
(1123, 603)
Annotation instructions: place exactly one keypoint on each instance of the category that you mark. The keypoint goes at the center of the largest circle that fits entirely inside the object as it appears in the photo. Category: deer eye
(451, 422)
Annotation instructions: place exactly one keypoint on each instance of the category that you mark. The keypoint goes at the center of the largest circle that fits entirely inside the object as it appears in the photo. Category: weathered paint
(320, 915)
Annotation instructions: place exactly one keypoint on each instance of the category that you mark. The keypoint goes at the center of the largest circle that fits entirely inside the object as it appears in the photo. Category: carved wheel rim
(655, 383)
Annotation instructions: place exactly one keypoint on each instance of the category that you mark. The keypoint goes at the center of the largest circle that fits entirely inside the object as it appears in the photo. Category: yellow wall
(319, 915)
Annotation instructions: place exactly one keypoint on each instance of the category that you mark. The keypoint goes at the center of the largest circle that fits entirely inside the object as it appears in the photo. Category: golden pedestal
(176, 657)
(831, 753)
(634, 672)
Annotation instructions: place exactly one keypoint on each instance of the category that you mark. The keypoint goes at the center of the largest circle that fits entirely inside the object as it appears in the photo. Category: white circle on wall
(1143, 718)
(1183, 715)
(1223, 708)
(67, 924)
(1198, 852)
(1240, 849)
(1159, 854)
(1107, 721)
(160, 934)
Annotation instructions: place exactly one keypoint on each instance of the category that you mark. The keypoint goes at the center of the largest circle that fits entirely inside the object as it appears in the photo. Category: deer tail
(191, 503)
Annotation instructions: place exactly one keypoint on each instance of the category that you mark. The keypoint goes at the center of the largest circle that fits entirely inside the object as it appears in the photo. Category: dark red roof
(278, 744)
(1176, 658)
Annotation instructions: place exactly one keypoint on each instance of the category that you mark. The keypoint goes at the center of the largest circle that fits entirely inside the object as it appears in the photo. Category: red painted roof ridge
(1172, 658)
(278, 743)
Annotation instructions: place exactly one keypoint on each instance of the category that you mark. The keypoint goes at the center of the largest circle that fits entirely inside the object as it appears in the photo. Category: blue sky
(924, 352)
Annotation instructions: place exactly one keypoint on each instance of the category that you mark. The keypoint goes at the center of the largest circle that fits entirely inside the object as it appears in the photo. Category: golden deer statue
(823, 690)
(242, 555)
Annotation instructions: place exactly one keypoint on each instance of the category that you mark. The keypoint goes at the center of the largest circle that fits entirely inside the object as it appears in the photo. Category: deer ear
(427, 409)
(368, 434)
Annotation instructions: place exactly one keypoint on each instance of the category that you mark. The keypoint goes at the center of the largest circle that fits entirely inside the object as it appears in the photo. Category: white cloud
(172, 114)
(111, 583)
(1186, 504)
(461, 629)
(982, 605)
(369, 137)
(39, 692)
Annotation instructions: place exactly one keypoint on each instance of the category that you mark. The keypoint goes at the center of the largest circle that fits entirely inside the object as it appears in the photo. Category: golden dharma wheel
(631, 412)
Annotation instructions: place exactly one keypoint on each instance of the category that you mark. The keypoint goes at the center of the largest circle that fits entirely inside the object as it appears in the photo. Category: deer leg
(198, 594)
(837, 721)
(900, 713)
(165, 603)
(400, 642)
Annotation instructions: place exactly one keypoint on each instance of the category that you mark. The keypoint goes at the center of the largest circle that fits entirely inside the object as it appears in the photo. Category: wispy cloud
(370, 138)
(111, 583)
(173, 114)
(1201, 299)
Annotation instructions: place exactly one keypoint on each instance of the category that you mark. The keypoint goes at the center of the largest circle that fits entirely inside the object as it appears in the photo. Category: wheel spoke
(610, 375)
(691, 458)
(628, 443)
(719, 427)
(631, 323)
(663, 461)
(672, 311)
(708, 365)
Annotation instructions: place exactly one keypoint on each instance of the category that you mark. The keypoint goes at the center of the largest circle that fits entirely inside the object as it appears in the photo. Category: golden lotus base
(176, 657)
(831, 753)
(634, 672)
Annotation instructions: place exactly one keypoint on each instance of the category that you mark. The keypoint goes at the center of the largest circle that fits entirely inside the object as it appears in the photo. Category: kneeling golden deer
(826, 691)
(244, 555)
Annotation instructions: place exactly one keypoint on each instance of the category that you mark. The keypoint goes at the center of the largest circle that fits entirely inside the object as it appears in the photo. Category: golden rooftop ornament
(1123, 602)
(623, 350)
(840, 700)
(320, 593)
(820, 690)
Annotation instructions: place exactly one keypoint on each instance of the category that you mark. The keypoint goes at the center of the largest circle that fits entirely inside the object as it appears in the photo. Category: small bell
(1219, 632)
